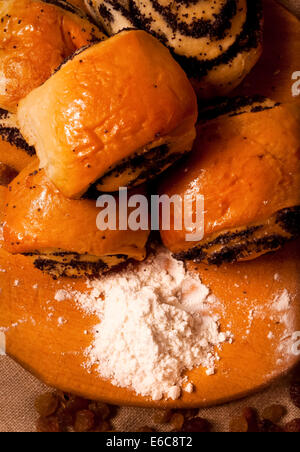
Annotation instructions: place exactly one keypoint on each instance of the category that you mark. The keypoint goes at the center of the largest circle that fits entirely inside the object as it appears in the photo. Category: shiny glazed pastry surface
(59, 234)
(118, 112)
(217, 43)
(247, 167)
(35, 38)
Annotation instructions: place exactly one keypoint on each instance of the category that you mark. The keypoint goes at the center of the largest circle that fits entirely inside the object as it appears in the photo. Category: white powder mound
(282, 301)
(155, 323)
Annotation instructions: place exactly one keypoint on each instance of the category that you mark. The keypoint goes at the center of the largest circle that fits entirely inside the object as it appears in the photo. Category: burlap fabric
(18, 390)
(293, 5)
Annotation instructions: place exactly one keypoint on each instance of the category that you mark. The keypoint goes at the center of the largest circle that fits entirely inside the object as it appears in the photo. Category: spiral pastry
(15, 153)
(249, 181)
(216, 42)
(35, 213)
(113, 15)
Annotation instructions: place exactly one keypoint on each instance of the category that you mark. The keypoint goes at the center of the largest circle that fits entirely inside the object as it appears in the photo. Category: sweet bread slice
(15, 153)
(116, 114)
(216, 42)
(60, 235)
(246, 165)
(35, 38)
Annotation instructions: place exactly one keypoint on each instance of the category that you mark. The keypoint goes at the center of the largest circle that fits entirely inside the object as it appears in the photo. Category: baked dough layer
(60, 264)
(60, 235)
(246, 164)
(122, 100)
(113, 15)
(217, 43)
(35, 37)
(14, 150)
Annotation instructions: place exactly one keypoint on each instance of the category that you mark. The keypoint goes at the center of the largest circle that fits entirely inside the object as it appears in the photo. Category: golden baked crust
(35, 37)
(247, 167)
(61, 235)
(216, 42)
(128, 97)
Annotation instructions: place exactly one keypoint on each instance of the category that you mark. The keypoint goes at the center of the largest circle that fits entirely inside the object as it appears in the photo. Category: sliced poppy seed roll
(35, 38)
(60, 235)
(234, 106)
(15, 153)
(246, 165)
(129, 113)
(216, 42)
(113, 15)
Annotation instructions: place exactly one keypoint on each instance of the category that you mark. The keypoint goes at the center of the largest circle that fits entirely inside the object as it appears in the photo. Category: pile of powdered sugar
(156, 321)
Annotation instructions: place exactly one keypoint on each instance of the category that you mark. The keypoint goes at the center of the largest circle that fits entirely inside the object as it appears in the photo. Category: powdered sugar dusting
(156, 321)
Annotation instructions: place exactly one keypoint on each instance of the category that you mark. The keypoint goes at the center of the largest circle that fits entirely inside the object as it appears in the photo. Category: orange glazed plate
(261, 351)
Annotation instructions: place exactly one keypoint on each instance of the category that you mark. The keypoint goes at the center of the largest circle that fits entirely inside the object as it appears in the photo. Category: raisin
(102, 427)
(177, 421)
(162, 416)
(295, 393)
(296, 374)
(74, 403)
(65, 418)
(189, 413)
(48, 425)
(84, 421)
(100, 409)
(46, 404)
(266, 426)
(114, 409)
(238, 425)
(293, 426)
(197, 424)
(251, 416)
(274, 413)
(73, 413)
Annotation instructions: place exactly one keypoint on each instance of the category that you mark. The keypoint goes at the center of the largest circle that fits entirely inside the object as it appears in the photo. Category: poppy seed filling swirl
(202, 35)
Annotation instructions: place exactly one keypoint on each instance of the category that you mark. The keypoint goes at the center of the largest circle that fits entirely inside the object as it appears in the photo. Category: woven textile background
(293, 5)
